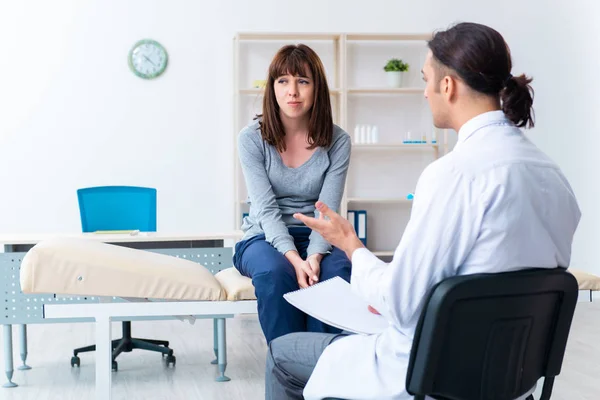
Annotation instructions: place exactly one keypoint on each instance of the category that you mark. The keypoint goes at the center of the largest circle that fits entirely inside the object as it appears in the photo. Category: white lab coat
(495, 203)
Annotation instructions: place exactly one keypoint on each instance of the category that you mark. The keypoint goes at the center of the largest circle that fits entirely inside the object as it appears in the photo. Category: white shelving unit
(381, 174)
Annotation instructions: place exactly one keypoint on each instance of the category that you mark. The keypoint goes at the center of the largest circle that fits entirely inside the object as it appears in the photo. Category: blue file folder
(358, 219)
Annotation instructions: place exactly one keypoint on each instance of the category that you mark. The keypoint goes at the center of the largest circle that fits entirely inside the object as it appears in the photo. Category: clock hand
(149, 60)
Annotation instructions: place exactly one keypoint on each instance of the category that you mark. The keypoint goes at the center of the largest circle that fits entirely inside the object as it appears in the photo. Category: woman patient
(291, 155)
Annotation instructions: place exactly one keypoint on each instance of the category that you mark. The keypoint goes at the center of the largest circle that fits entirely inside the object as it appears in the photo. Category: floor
(143, 375)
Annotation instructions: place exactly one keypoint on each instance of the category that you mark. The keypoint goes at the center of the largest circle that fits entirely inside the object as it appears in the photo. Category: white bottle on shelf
(408, 139)
(363, 134)
(375, 135)
(368, 135)
(357, 134)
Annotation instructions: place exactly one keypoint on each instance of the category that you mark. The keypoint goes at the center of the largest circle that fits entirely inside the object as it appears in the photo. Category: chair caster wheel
(75, 361)
(170, 360)
(115, 366)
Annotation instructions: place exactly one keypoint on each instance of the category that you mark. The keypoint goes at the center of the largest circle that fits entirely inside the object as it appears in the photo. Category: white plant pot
(394, 78)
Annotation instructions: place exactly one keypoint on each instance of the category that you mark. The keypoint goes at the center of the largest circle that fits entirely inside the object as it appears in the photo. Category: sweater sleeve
(252, 159)
(333, 187)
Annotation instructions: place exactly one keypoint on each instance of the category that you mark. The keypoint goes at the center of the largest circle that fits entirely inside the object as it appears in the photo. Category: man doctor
(496, 203)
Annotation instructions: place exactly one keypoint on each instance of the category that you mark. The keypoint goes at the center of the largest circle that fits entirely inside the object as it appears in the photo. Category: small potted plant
(394, 69)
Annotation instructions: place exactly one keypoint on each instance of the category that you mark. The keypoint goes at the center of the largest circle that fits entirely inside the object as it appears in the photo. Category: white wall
(73, 115)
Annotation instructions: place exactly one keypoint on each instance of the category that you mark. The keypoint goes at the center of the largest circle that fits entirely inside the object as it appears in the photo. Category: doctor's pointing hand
(334, 228)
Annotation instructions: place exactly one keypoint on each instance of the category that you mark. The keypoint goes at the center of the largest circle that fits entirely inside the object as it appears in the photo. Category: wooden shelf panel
(388, 91)
(288, 36)
(394, 146)
(383, 253)
(379, 200)
(260, 91)
(382, 200)
(332, 36)
(388, 36)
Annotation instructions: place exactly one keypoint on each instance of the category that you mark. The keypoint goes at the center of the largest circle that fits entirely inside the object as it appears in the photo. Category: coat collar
(481, 121)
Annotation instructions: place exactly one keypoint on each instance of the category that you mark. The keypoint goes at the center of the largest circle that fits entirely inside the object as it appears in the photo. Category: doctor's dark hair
(480, 57)
(297, 60)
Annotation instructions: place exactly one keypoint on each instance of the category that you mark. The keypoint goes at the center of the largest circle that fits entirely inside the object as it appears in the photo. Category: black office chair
(492, 336)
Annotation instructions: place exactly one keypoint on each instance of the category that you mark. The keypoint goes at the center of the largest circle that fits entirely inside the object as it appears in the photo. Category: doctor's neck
(471, 106)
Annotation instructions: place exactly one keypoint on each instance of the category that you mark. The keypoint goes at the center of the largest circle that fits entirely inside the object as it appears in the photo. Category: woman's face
(295, 95)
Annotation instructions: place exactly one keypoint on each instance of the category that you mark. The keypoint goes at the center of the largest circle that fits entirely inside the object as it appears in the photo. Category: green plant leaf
(396, 64)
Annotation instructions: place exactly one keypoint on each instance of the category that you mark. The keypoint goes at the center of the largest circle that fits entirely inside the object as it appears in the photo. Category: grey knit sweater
(276, 192)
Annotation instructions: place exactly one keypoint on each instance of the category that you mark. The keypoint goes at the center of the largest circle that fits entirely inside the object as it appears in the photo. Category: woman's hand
(304, 271)
(314, 261)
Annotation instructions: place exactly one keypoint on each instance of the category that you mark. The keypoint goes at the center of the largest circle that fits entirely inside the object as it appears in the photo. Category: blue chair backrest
(117, 208)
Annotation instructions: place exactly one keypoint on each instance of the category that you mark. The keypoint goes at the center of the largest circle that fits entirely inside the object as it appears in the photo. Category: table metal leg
(23, 340)
(103, 358)
(8, 356)
(222, 350)
(215, 341)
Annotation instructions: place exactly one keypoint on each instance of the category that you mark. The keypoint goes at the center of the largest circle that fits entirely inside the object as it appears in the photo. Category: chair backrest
(117, 208)
(492, 336)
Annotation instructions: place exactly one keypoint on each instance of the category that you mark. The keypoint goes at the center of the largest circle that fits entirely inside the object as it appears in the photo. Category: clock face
(147, 59)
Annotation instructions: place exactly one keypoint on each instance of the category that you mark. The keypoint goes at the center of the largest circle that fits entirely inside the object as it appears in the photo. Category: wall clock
(147, 59)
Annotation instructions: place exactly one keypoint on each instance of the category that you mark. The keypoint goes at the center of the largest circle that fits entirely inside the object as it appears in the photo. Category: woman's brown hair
(297, 60)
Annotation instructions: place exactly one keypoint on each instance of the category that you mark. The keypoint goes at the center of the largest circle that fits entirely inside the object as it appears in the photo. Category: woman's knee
(275, 282)
(259, 257)
(336, 264)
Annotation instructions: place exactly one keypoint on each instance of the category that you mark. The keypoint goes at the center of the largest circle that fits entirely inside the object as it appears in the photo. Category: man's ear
(449, 87)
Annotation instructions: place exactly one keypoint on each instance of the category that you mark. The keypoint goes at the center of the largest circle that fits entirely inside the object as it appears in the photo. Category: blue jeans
(273, 276)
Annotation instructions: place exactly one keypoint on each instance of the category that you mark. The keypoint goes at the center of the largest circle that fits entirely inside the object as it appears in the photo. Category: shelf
(251, 91)
(383, 253)
(356, 96)
(330, 36)
(388, 91)
(260, 91)
(379, 200)
(394, 146)
(389, 36)
(287, 36)
(389, 200)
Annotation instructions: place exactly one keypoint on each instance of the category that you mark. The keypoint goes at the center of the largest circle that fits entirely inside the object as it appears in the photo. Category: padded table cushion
(88, 267)
(586, 281)
(236, 285)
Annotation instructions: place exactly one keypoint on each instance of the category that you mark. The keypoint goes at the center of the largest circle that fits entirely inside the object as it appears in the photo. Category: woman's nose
(293, 90)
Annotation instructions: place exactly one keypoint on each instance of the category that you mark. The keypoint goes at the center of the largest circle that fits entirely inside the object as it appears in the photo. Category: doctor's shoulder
(441, 171)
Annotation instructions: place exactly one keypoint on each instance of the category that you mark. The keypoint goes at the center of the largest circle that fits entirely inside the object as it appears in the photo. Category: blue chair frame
(117, 208)
(120, 208)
